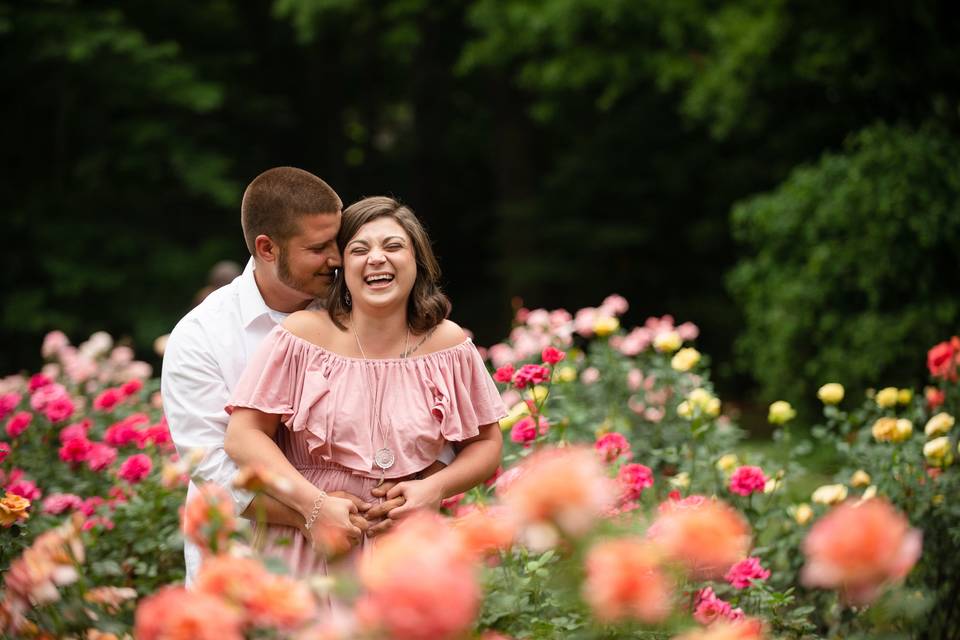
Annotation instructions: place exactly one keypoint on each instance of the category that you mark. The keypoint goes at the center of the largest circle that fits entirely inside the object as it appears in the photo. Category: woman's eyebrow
(359, 241)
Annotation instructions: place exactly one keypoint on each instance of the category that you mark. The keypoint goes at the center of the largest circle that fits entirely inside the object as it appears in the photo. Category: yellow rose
(605, 325)
(871, 492)
(883, 429)
(830, 494)
(565, 374)
(699, 397)
(886, 398)
(903, 430)
(13, 508)
(771, 485)
(681, 480)
(860, 478)
(516, 412)
(685, 359)
(904, 396)
(938, 425)
(713, 407)
(937, 452)
(537, 393)
(667, 341)
(685, 410)
(728, 462)
(937, 499)
(802, 513)
(830, 393)
(781, 412)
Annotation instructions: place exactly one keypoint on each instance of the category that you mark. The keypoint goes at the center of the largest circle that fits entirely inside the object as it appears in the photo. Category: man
(290, 220)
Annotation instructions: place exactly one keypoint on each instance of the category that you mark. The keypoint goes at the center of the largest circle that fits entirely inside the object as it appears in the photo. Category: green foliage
(850, 268)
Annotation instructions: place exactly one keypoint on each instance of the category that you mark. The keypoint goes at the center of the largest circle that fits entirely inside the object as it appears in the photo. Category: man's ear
(266, 249)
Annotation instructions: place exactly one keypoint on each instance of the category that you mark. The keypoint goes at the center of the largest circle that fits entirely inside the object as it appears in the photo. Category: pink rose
(59, 409)
(38, 381)
(4, 451)
(128, 389)
(552, 355)
(76, 430)
(125, 431)
(18, 423)
(531, 374)
(47, 394)
(108, 399)
(136, 468)
(9, 402)
(24, 488)
(101, 456)
(75, 450)
(590, 375)
(525, 430)
(504, 373)
(741, 574)
(57, 503)
(633, 479)
(53, 343)
(746, 480)
(612, 446)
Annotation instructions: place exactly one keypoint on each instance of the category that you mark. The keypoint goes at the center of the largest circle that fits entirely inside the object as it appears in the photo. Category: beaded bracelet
(315, 513)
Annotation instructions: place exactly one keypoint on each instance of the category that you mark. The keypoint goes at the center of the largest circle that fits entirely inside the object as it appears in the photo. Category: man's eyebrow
(319, 245)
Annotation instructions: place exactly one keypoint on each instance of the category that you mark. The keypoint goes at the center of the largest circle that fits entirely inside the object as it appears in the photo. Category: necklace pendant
(384, 458)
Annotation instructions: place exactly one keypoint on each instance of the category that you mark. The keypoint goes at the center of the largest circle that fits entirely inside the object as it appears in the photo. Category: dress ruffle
(330, 402)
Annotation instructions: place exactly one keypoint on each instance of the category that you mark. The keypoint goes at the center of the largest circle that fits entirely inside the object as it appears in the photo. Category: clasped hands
(359, 518)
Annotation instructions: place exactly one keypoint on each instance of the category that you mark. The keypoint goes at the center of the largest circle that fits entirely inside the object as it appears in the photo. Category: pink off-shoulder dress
(338, 411)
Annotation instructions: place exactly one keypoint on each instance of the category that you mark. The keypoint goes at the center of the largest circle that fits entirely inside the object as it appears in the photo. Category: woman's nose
(375, 257)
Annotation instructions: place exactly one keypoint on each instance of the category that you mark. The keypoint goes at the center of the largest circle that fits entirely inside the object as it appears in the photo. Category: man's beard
(313, 287)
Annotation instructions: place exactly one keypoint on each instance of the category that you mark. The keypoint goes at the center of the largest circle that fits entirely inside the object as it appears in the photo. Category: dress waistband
(327, 465)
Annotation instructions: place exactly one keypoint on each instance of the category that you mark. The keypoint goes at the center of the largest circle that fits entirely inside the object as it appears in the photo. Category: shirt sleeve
(194, 395)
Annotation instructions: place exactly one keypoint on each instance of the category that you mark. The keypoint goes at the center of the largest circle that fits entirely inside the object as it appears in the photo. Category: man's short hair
(277, 198)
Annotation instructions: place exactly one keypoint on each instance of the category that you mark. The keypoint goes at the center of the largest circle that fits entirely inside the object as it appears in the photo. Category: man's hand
(357, 519)
(404, 498)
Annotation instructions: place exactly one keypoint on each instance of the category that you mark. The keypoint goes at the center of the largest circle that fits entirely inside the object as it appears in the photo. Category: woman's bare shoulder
(445, 335)
(311, 325)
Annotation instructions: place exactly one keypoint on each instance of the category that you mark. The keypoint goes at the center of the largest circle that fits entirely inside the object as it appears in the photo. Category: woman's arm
(477, 459)
(250, 442)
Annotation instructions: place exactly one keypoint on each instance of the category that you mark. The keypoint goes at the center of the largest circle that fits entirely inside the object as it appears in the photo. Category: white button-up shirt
(204, 358)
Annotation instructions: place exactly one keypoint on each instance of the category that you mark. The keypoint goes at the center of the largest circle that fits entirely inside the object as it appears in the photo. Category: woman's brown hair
(427, 306)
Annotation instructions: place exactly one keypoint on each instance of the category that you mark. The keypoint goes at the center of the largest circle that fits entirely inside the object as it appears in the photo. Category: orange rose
(12, 509)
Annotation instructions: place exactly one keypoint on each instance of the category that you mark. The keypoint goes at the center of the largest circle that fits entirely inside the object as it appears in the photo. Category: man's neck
(277, 295)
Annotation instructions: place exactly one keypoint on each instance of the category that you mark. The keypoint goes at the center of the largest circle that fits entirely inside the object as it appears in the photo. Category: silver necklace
(384, 458)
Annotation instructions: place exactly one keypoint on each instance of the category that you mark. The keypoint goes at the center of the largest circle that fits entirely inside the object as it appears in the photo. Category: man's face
(307, 261)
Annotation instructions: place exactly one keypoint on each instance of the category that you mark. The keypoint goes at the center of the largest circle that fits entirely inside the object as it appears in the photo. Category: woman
(369, 390)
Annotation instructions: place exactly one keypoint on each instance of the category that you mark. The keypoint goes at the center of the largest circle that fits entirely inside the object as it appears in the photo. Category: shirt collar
(252, 305)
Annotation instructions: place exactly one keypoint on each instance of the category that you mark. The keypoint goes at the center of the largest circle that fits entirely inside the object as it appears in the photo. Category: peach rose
(707, 536)
(208, 518)
(420, 582)
(173, 613)
(625, 582)
(567, 487)
(857, 548)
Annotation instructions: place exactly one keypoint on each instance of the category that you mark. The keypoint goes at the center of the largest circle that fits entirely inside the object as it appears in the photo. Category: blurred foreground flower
(564, 487)
(746, 629)
(208, 518)
(420, 582)
(173, 613)
(858, 549)
(625, 582)
(707, 536)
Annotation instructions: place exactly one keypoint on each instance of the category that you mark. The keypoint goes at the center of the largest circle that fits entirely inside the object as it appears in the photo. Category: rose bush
(628, 503)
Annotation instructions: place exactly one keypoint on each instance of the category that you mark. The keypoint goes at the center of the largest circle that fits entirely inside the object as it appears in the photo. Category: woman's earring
(347, 298)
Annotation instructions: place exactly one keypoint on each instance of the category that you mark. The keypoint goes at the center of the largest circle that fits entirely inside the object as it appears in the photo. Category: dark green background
(558, 150)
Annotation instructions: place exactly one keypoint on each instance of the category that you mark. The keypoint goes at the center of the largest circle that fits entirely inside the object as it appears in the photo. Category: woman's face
(379, 264)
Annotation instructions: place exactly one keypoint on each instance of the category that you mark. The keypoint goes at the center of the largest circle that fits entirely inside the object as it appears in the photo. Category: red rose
(941, 361)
